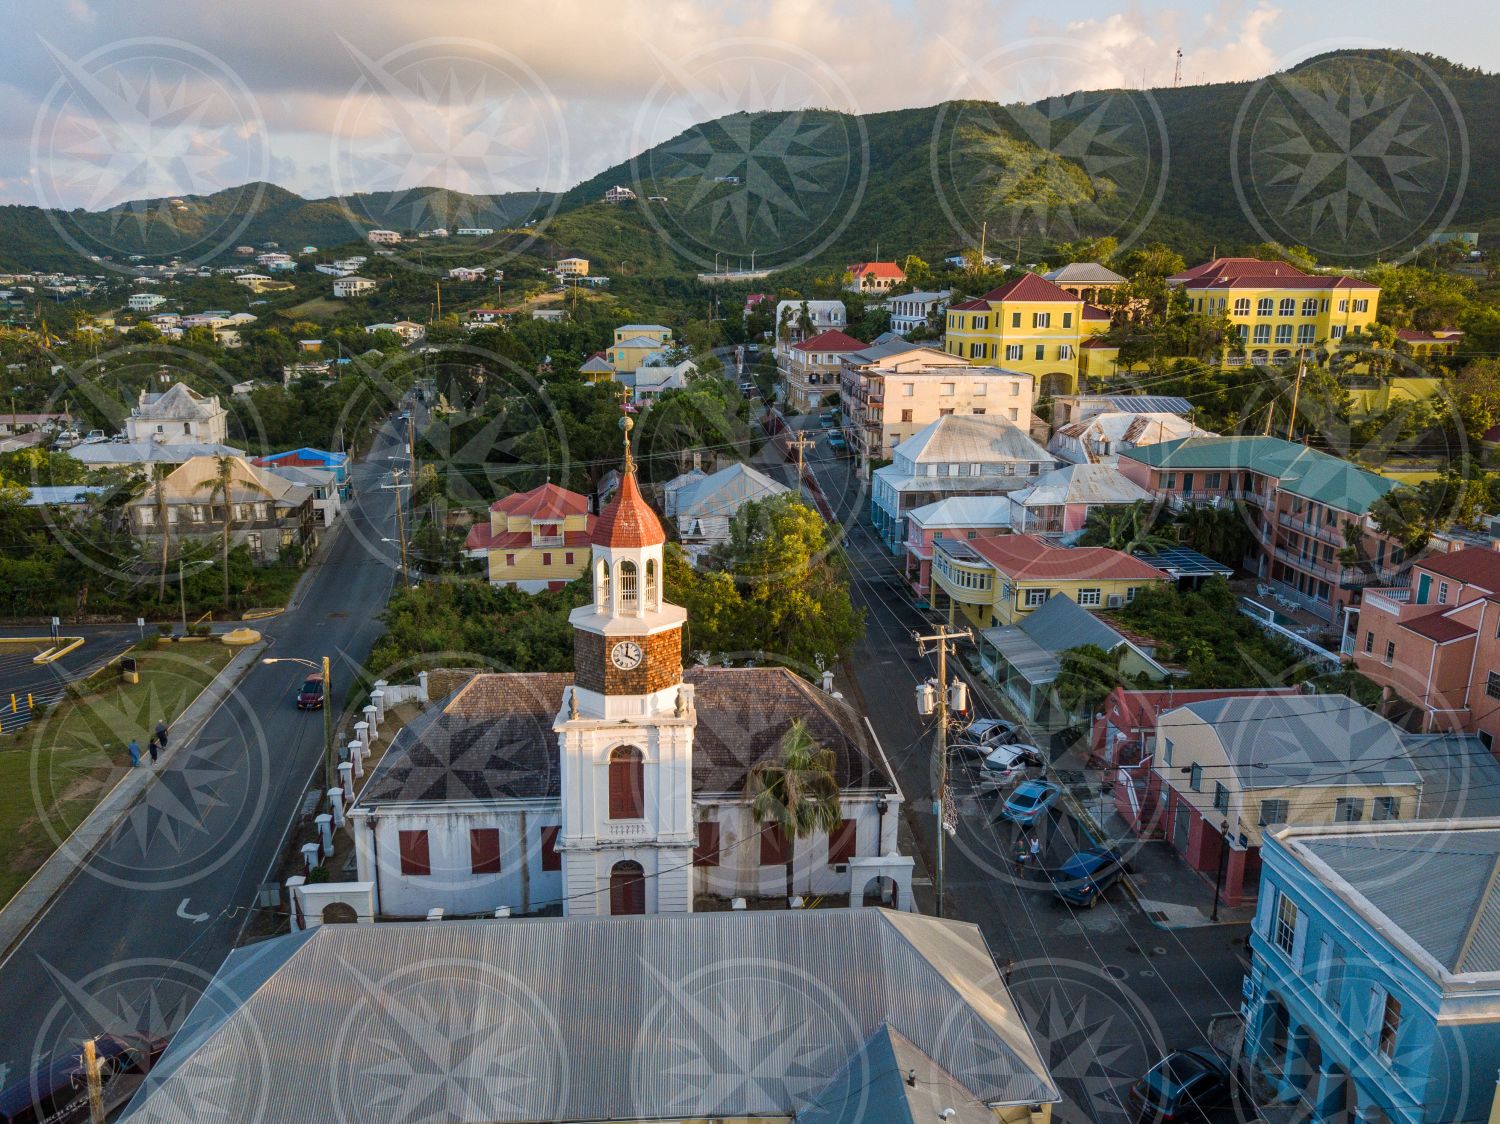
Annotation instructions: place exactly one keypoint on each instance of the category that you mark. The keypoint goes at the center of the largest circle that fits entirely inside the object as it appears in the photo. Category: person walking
(135, 752)
(161, 732)
(154, 748)
(1036, 851)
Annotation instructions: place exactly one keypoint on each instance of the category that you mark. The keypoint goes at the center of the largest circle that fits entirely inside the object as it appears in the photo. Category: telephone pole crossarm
(942, 808)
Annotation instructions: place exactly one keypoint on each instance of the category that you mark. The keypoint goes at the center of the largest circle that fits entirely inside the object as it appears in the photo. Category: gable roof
(177, 401)
(1081, 484)
(1435, 884)
(1034, 647)
(1473, 565)
(963, 511)
(593, 1018)
(1030, 287)
(726, 491)
(830, 340)
(890, 1078)
(971, 438)
(1032, 558)
(1274, 741)
(877, 269)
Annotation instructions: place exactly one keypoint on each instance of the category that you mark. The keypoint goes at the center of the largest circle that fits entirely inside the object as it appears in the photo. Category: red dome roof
(628, 520)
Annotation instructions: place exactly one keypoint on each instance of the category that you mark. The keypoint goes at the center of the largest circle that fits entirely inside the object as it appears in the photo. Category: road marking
(195, 918)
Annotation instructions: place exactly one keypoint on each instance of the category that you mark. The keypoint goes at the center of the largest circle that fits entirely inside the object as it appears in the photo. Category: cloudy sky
(102, 102)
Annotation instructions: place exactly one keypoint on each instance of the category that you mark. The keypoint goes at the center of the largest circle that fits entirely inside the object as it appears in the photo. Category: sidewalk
(32, 899)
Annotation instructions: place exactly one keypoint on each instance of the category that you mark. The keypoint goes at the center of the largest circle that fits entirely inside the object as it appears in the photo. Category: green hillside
(1203, 167)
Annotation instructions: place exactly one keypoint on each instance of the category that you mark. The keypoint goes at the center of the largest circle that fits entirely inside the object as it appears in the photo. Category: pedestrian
(1036, 850)
(1006, 969)
(161, 732)
(154, 748)
(135, 752)
(1021, 854)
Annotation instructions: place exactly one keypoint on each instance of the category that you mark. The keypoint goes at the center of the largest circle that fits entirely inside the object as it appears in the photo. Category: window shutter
(551, 860)
(1325, 963)
(706, 853)
(484, 850)
(415, 858)
(773, 845)
(1263, 909)
(1377, 1012)
(843, 842)
(627, 798)
(1299, 941)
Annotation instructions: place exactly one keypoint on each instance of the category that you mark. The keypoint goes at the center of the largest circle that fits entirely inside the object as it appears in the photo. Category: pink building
(1062, 499)
(959, 517)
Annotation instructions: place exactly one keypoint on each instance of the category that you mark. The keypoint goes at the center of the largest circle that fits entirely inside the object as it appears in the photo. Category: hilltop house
(534, 540)
(910, 311)
(874, 276)
(352, 286)
(178, 416)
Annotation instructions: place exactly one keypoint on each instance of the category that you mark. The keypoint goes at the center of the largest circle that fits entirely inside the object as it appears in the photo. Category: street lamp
(324, 666)
(182, 590)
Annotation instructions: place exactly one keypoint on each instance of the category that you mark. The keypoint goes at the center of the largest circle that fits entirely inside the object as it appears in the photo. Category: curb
(28, 903)
(1096, 833)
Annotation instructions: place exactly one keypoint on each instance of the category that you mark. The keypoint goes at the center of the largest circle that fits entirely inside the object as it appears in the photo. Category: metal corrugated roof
(726, 491)
(971, 439)
(624, 1018)
(891, 1080)
(1279, 741)
(1438, 885)
(1082, 484)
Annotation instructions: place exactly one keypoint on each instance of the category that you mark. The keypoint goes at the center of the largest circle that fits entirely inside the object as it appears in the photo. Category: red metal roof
(1287, 281)
(1028, 558)
(1131, 710)
(974, 304)
(628, 521)
(546, 502)
(1030, 287)
(1438, 627)
(1094, 312)
(830, 340)
(1442, 335)
(1474, 565)
(877, 269)
(1237, 267)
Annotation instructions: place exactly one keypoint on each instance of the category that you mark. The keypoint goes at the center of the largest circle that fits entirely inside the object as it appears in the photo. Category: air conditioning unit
(1115, 600)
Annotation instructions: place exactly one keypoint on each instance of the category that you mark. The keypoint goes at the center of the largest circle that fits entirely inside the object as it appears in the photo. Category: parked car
(836, 442)
(310, 697)
(1029, 802)
(991, 730)
(1184, 1085)
(1084, 877)
(827, 420)
(1005, 763)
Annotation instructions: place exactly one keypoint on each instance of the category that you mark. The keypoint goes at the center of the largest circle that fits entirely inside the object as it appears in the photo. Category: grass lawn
(319, 308)
(53, 772)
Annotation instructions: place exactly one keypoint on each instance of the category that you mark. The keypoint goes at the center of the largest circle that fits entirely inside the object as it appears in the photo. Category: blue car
(1029, 802)
(1083, 879)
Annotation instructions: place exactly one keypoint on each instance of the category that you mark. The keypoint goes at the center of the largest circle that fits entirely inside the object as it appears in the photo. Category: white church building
(620, 788)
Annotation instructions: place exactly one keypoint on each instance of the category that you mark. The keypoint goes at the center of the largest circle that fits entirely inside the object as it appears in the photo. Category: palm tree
(797, 792)
(221, 487)
(1126, 529)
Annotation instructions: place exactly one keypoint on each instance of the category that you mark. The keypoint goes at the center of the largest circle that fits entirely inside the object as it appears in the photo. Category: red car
(310, 697)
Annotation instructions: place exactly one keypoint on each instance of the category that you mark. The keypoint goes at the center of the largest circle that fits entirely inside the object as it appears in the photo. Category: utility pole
(395, 486)
(941, 805)
(95, 1083)
(1177, 74)
(1291, 424)
(800, 443)
(439, 286)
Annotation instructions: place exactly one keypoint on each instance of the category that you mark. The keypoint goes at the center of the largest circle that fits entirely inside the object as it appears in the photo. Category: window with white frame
(1385, 808)
(1195, 778)
(1336, 332)
(1283, 333)
(1013, 351)
(1036, 597)
(1065, 351)
(1088, 597)
(1262, 334)
(1242, 306)
(1348, 809)
(1272, 812)
(1265, 306)
(1310, 306)
(1041, 319)
(1361, 306)
(1284, 932)
(1287, 307)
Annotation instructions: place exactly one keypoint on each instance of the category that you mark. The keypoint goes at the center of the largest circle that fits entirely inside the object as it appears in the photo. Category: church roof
(628, 521)
(493, 740)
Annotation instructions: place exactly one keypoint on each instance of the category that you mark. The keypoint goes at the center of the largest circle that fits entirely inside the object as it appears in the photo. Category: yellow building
(1028, 325)
(535, 540)
(572, 267)
(999, 579)
(634, 342)
(1278, 310)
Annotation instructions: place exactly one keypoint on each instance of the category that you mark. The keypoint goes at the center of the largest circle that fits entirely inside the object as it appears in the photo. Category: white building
(624, 787)
(383, 237)
(1101, 438)
(475, 231)
(177, 416)
(352, 287)
(910, 311)
(797, 320)
(145, 302)
(465, 273)
(703, 505)
(618, 194)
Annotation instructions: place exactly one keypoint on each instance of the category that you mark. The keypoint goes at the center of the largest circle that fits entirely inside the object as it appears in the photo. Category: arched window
(628, 587)
(653, 592)
(601, 585)
(627, 889)
(627, 784)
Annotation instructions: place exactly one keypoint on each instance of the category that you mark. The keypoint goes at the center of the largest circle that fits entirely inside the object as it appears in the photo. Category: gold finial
(626, 425)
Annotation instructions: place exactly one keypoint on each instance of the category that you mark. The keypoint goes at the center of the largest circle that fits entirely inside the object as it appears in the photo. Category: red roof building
(830, 340)
(535, 540)
(1031, 287)
(1125, 729)
(1025, 558)
(874, 276)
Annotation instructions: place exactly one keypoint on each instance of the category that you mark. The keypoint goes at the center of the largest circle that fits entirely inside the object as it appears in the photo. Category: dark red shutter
(842, 842)
(484, 850)
(707, 851)
(414, 855)
(551, 860)
(627, 796)
(627, 889)
(773, 846)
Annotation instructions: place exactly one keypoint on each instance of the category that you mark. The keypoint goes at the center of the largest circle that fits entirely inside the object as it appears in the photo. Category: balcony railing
(1308, 563)
(1330, 533)
(1388, 599)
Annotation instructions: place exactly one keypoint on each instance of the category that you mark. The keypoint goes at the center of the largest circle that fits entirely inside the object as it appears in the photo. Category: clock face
(626, 655)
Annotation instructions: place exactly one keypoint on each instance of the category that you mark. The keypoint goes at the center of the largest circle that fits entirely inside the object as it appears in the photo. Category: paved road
(1104, 990)
(46, 682)
(133, 939)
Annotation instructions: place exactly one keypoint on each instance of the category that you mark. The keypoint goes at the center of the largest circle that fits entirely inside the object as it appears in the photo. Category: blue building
(1374, 985)
(337, 463)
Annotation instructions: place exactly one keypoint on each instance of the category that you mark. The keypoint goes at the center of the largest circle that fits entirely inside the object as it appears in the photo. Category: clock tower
(625, 730)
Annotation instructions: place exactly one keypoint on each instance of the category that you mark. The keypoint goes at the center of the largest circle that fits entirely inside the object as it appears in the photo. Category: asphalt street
(19, 676)
(1105, 991)
(131, 942)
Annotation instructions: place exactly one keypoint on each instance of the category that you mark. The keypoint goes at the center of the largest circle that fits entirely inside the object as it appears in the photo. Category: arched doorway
(882, 891)
(1055, 383)
(627, 889)
(1275, 1035)
(339, 913)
